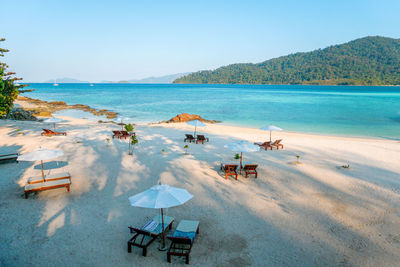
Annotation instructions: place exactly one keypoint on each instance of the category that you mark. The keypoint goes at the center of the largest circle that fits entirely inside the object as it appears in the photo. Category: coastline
(44, 108)
(37, 106)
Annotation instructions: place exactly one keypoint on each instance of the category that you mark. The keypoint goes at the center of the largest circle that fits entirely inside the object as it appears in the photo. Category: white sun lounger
(47, 185)
(9, 156)
(50, 177)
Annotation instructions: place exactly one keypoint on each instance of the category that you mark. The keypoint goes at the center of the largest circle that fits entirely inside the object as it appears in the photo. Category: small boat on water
(55, 83)
(91, 84)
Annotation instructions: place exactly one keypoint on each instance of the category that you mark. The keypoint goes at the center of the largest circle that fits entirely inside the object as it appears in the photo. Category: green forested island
(366, 61)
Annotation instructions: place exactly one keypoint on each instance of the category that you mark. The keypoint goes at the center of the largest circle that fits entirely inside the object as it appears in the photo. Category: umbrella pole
(270, 139)
(163, 232)
(195, 131)
(41, 162)
(241, 156)
(54, 125)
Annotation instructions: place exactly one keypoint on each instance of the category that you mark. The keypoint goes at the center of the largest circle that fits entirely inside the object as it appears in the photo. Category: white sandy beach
(310, 214)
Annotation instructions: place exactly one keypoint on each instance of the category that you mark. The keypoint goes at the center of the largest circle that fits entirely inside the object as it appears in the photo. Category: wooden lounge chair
(45, 132)
(125, 134)
(201, 139)
(182, 239)
(144, 236)
(277, 144)
(51, 177)
(49, 132)
(47, 185)
(189, 138)
(9, 157)
(116, 134)
(265, 145)
(230, 170)
(250, 169)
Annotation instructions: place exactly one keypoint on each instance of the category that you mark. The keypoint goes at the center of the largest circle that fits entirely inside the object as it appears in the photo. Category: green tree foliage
(129, 127)
(366, 61)
(8, 90)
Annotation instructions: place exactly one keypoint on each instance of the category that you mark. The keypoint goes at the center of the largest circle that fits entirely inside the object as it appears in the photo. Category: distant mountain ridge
(366, 61)
(66, 80)
(161, 79)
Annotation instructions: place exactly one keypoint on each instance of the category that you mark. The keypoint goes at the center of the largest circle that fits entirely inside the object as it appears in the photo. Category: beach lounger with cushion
(144, 236)
(116, 134)
(47, 185)
(230, 170)
(250, 169)
(182, 239)
(189, 138)
(49, 132)
(277, 144)
(7, 157)
(45, 132)
(50, 177)
(201, 139)
(265, 145)
(125, 134)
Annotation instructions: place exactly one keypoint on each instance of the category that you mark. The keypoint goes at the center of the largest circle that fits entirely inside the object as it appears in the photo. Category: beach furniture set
(182, 238)
(268, 144)
(200, 139)
(48, 132)
(231, 169)
(122, 134)
(50, 182)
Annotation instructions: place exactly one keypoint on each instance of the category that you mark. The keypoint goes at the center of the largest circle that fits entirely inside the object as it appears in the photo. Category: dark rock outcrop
(20, 115)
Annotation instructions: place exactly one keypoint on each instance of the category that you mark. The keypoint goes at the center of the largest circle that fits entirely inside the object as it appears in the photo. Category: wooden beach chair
(46, 132)
(201, 139)
(116, 134)
(144, 236)
(277, 144)
(8, 157)
(182, 239)
(50, 177)
(265, 145)
(250, 169)
(49, 132)
(189, 138)
(46, 186)
(125, 134)
(229, 170)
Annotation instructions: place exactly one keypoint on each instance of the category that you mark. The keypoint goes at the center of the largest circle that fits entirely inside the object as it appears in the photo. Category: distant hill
(65, 80)
(366, 61)
(161, 79)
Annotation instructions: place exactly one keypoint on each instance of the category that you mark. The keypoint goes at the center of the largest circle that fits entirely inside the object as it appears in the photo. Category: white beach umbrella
(40, 154)
(270, 128)
(242, 146)
(122, 119)
(160, 197)
(53, 120)
(196, 123)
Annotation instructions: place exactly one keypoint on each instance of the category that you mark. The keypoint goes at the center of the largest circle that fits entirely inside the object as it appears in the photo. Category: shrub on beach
(129, 127)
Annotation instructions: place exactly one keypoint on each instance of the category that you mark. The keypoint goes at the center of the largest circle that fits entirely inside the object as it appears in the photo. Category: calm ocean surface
(340, 110)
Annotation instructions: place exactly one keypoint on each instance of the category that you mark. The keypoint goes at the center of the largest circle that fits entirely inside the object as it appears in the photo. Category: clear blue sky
(116, 40)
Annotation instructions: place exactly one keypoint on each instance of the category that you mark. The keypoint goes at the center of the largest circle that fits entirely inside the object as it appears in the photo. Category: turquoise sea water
(340, 110)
